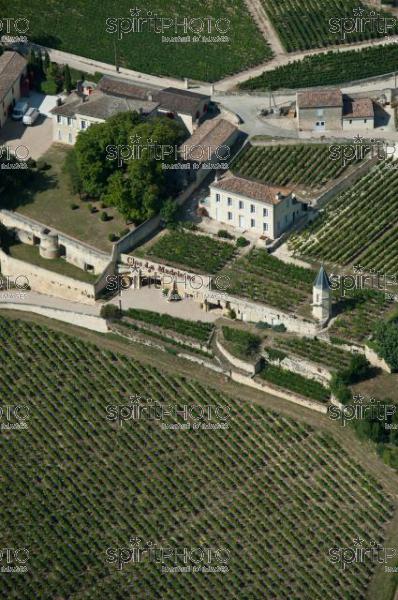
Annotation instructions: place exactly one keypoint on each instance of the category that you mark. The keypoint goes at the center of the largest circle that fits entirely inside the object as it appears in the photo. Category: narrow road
(89, 65)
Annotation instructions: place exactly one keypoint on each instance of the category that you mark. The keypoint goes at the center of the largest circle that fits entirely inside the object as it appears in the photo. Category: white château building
(253, 206)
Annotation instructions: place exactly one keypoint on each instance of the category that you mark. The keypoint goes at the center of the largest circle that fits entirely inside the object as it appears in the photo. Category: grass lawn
(31, 255)
(81, 28)
(48, 200)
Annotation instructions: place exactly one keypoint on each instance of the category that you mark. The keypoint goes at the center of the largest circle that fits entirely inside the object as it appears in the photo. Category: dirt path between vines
(264, 24)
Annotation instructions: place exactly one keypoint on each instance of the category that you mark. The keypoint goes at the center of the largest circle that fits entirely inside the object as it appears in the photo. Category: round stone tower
(49, 247)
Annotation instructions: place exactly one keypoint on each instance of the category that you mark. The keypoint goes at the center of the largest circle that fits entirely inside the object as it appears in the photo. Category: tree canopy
(114, 162)
(386, 341)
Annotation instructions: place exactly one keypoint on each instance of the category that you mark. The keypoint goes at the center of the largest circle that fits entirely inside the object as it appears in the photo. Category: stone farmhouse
(189, 107)
(14, 82)
(253, 206)
(81, 111)
(209, 147)
(332, 110)
(113, 95)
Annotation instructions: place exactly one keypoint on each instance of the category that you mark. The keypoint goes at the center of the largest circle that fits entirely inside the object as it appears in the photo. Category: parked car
(19, 110)
(30, 116)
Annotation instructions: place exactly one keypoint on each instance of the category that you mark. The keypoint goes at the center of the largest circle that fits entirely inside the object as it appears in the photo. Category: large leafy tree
(386, 339)
(137, 185)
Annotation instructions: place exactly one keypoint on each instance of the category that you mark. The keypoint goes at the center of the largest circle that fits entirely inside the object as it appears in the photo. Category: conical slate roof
(322, 280)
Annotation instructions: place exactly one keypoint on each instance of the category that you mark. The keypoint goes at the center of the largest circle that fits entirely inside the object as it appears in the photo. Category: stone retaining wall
(243, 365)
(80, 319)
(48, 282)
(76, 252)
(302, 367)
(263, 387)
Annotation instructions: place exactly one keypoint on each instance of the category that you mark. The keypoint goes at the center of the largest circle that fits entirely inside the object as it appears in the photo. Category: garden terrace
(328, 68)
(302, 24)
(88, 33)
(189, 251)
(306, 164)
(241, 343)
(354, 221)
(315, 350)
(264, 278)
(195, 329)
(295, 383)
(76, 484)
(48, 198)
(31, 254)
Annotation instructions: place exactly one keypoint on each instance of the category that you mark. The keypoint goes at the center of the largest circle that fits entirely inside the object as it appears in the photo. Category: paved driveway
(38, 137)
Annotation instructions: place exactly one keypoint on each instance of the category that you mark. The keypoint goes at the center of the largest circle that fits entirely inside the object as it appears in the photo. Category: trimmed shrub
(110, 312)
(241, 242)
(223, 233)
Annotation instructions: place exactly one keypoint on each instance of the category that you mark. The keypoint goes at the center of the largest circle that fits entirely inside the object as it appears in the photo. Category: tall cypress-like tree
(67, 79)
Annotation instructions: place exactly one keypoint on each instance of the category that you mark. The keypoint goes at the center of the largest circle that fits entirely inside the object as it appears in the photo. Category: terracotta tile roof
(102, 106)
(11, 66)
(210, 135)
(171, 99)
(252, 189)
(124, 88)
(359, 108)
(330, 99)
(180, 101)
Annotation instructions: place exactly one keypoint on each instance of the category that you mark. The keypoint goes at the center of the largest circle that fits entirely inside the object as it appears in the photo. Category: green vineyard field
(307, 164)
(303, 24)
(276, 493)
(328, 68)
(84, 31)
(358, 225)
(264, 278)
